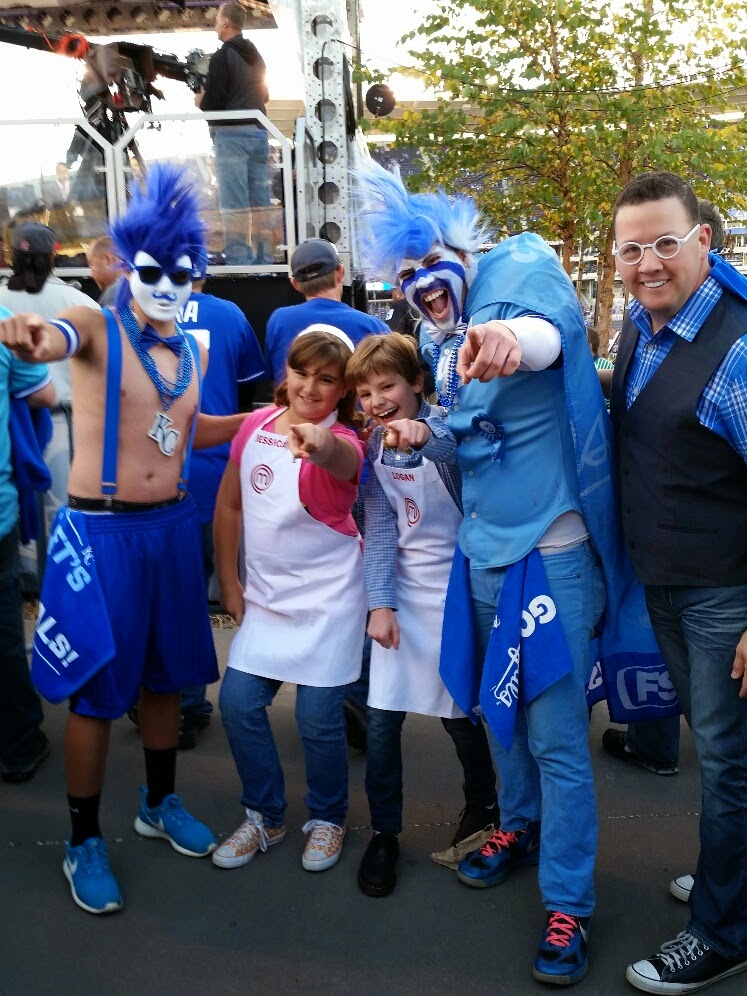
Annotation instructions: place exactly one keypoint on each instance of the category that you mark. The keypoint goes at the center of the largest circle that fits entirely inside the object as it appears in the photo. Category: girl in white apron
(292, 480)
(413, 510)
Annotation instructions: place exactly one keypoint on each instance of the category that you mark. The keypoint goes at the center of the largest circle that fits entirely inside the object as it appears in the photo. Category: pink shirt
(324, 497)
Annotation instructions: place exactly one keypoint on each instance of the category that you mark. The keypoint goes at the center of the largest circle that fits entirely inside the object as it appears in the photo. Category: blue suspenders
(111, 411)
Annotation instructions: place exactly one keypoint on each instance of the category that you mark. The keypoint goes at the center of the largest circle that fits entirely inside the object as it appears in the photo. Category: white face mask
(160, 301)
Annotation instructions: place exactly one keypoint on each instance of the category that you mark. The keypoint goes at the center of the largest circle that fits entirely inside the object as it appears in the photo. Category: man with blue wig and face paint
(123, 616)
(538, 555)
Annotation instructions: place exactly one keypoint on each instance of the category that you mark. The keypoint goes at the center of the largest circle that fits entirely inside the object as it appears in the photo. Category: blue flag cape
(523, 276)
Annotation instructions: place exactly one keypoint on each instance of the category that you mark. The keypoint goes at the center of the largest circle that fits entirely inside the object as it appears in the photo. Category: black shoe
(190, 724)
(20, 771)
(376, 875)
(476, 818)
(615, 743)
(683, 965)
(356, 724)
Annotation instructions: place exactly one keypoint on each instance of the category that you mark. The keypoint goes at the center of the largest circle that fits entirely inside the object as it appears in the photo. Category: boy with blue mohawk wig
(539, 551)
(124, 615)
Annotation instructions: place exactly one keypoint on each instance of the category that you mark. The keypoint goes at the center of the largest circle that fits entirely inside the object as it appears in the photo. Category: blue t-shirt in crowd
(18, 380)
(234, 356)
(285, 324)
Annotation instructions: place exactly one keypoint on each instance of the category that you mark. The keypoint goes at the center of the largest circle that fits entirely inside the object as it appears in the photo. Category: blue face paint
(444, 283)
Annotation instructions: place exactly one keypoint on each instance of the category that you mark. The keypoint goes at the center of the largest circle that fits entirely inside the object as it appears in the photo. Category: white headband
(332, 330)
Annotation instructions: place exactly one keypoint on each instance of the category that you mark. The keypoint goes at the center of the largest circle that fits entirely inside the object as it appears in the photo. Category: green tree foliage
(552, 105)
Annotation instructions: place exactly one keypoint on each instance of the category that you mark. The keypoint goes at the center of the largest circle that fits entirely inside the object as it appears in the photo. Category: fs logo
(262, 477)
(542, 608)
(412, 512)
(645, 687)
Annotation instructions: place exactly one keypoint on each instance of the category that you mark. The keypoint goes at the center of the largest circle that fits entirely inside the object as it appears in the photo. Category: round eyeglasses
(665, 247)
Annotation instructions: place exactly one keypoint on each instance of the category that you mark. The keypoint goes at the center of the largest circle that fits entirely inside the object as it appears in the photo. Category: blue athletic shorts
(150, 568)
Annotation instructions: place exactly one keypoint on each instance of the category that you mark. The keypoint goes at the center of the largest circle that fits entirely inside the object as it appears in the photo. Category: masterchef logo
(412, 511)
(262, 477)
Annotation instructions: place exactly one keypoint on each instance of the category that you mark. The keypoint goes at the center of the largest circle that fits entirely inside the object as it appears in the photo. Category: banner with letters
(73, 638)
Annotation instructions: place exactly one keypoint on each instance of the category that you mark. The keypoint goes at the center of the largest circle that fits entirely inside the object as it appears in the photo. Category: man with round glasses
(679, 410)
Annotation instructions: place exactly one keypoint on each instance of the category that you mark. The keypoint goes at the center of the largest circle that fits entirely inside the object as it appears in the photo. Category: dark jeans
(384, 766)
(20, 707)
(697, 630)
(358, 690)
(656, 740)
(194, 699)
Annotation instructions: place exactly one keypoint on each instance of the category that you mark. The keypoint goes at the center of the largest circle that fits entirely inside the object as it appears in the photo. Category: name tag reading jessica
(162, 433)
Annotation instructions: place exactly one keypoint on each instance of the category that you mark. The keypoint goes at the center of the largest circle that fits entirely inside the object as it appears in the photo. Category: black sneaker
(190, 724)
(20, 771)
(376, 874)
(356, 725)
(473, 819)
(615, 743)
(683, 965)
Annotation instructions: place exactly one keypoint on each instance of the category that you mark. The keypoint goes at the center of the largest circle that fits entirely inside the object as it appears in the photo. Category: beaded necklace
(450, 381)
(168, 391)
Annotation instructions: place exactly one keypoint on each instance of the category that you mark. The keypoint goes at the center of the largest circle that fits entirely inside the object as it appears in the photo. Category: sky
(38, 85)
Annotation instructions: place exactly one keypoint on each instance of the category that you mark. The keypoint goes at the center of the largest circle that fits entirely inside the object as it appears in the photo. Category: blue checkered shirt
(722, 407)
(381, 544)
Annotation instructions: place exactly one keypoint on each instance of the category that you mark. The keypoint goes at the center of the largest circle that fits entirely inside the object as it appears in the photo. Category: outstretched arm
(321, 446)
(212, 430)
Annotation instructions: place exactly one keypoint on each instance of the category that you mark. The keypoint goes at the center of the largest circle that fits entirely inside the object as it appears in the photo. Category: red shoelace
(499, 841)
(560, 929)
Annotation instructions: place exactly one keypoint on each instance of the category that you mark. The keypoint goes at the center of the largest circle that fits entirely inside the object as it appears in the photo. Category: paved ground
(190, 928)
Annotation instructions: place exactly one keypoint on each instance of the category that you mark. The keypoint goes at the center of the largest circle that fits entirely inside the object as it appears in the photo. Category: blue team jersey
(285, 324)
(234, 357)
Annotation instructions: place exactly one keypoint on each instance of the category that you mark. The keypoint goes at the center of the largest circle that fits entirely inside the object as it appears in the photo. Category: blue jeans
(20, 707)
(194, 697)
(656, 740)
(547, 775)
(244, 699)
(697, 630)
(241, 166)
(358, 690)
(384, 766)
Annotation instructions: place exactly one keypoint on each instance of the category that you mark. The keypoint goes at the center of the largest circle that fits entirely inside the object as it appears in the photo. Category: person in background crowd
(23, 744)
(235, 358)
(317, 273)
(236, 82)
(680, 426)
(106, 269)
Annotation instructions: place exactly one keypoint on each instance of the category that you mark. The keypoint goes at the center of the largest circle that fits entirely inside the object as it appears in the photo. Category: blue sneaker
(501, 853)
(171, 821)
(91, 879)
(562, 957)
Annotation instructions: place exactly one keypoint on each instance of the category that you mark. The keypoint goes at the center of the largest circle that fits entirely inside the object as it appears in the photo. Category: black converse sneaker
(683, 965)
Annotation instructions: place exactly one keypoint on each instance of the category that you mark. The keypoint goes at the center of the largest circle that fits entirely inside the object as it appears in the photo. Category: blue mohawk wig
(394, 224)
(164, 220)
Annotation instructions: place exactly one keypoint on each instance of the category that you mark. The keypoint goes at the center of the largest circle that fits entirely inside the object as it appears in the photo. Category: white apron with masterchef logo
(304, 600)
(427, 520)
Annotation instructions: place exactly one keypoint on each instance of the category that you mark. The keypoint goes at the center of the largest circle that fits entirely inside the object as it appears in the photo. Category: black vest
(683, 488)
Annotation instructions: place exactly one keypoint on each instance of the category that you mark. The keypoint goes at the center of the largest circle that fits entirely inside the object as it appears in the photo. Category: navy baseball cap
(314, 258)
(32, 236)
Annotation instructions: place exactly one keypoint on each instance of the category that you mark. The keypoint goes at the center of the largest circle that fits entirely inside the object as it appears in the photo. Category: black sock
(84, 815)
(160, 774)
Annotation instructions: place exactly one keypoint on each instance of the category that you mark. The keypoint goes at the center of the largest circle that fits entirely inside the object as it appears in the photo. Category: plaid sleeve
(380, 545)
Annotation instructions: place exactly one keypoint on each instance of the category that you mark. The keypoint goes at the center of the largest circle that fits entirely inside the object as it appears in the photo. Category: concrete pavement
(189, 927)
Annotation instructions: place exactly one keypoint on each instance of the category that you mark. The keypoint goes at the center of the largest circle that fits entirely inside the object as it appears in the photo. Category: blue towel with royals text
(73, 638)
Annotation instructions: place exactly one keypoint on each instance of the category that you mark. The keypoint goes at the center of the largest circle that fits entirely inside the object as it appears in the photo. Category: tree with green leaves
(547, 107)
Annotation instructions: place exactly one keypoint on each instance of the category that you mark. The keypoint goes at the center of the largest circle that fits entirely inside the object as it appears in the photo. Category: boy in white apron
(413, 510)
(302, 612)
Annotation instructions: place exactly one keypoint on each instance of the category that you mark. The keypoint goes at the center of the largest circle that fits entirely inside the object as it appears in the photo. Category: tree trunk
(605, 293)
